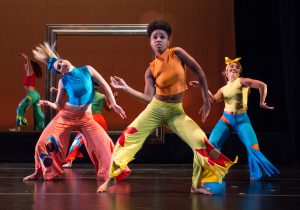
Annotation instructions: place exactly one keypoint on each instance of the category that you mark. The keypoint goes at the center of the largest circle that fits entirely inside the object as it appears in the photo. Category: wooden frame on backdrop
(55, 30)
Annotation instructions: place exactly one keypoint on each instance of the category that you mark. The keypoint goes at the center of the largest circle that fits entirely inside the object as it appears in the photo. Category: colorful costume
(235, 97)
(98, 117)
(169, 74)
(32, 98)
(52, 145)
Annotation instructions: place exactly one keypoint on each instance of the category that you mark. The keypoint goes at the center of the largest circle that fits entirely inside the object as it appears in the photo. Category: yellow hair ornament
(229, 61)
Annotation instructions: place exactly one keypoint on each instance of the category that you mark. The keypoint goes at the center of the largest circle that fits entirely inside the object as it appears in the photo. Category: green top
(97, 102)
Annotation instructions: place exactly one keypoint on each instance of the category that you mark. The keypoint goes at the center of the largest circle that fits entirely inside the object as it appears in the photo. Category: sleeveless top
(29, 80)
(79, 86)
(235, 96)
(169, 74)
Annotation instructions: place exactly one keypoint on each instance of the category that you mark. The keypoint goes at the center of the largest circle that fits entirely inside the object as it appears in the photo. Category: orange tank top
(169, 74)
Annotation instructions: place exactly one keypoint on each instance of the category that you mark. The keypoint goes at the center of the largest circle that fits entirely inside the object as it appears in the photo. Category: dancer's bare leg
(201, 190)
(107, 184)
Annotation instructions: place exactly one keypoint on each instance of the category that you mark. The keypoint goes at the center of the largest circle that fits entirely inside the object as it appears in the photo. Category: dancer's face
(62, 66)
(159, 41)
(233, 71)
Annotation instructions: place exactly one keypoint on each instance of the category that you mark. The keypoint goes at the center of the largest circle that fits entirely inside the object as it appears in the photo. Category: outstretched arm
(27, 64)
(218, 97)
(103, 84)
(262, 87)
(106, 104)
(149, 89)
(196, 68)
(59, 98)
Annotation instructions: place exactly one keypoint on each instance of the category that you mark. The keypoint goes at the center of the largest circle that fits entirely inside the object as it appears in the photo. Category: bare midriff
(80, 108)
(176, 98)
(29, 88)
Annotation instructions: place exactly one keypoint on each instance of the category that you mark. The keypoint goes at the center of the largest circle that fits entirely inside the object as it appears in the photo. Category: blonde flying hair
(43, 52)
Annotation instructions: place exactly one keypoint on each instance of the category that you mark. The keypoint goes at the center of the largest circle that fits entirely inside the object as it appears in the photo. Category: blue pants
(240, 123)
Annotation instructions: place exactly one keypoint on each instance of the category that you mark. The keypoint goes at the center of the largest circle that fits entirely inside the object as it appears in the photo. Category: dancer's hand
(49, 103)
(265, 106)
(211, 97)
(44, 103)
(118, 83)
(116, 94)
(53, 90)
(119, 111)
(204, 110)
(23, 55)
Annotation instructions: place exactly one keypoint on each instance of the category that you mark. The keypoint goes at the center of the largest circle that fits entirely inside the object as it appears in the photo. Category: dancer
(53, 143)
(32, 98)
(235, 96)
(99, 101)
(165, 79)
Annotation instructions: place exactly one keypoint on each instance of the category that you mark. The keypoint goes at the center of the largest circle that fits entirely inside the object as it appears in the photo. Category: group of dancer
(165, 84)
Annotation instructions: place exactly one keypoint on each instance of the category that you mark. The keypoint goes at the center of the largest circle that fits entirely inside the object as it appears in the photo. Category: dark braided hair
(159, 25)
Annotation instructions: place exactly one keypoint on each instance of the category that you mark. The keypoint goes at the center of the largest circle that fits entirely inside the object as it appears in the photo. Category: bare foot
(34, 176)
(16, 129)
(201, 190)
(68, 165)
(107, 184)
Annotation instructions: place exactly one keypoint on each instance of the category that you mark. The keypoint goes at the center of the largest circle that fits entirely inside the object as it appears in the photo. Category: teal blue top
(79, 86)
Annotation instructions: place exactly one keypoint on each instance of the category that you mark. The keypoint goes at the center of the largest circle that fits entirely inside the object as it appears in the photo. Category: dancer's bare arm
(27, 64)
(59, 98)
(149, 89)
(262, 87)
(108, 92)
(190, 62)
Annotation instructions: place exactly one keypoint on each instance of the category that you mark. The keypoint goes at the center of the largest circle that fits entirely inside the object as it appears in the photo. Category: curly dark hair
(159, 25)
(36, 68)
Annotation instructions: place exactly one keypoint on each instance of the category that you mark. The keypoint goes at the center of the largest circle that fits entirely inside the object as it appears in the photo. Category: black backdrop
(267, 39)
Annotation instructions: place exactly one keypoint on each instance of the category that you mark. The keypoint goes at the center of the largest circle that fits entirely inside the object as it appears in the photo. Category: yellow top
(169, 74)
(235, 96)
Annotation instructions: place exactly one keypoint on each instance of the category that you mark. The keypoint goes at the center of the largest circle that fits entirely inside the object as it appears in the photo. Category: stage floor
(149, 187)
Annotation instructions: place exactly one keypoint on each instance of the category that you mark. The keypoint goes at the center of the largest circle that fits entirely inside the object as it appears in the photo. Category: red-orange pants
(52, 145)
(79, 140)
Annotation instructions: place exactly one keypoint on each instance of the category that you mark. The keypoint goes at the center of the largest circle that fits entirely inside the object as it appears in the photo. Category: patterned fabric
(32, 98)
(98, 117)
(79, 140)
(53, 143)
(241, 124)
(207, 160)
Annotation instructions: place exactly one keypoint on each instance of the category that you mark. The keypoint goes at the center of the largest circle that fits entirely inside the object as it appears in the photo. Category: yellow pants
(209, 164)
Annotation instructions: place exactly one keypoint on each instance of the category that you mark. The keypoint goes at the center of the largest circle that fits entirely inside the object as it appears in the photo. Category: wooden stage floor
(149, 187)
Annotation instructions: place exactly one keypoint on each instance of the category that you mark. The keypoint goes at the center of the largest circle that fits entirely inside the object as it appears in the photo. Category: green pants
(32, 98)
(208, 165)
